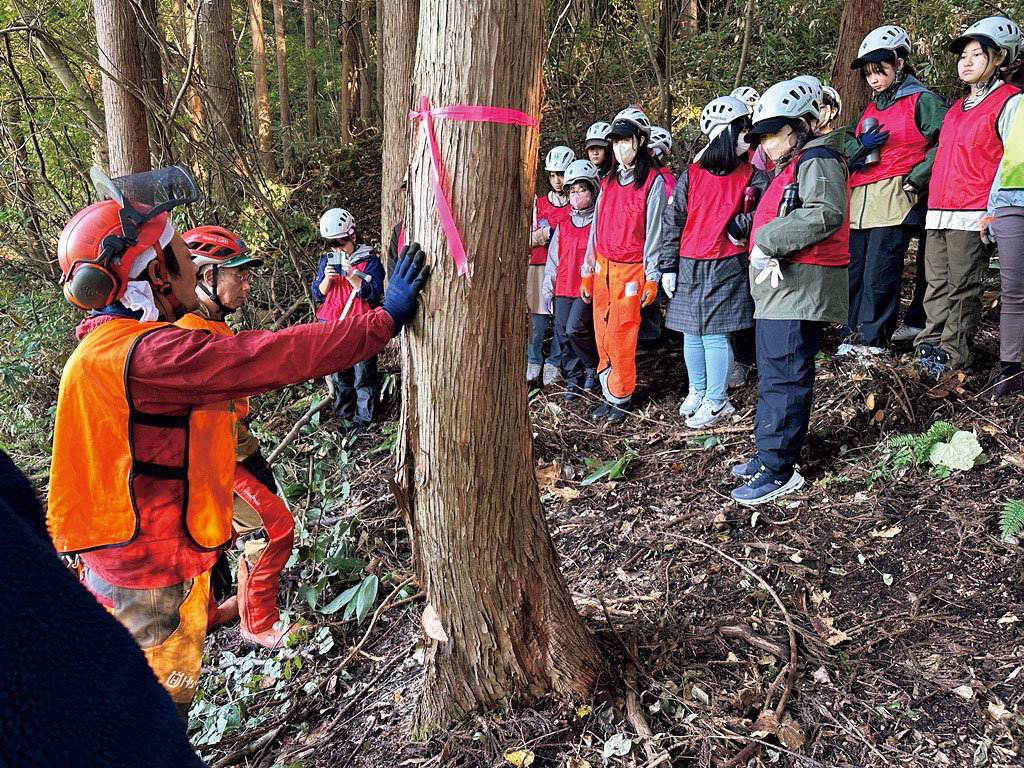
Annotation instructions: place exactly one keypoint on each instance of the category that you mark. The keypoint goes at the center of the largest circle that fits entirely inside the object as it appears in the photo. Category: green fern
(921, 445)
(1012, 520)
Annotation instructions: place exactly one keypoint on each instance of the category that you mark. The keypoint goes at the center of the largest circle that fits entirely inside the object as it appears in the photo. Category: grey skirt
(712, 296)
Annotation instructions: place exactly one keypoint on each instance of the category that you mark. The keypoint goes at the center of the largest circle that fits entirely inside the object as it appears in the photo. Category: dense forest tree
(281, 54)
(309, 38)
(261, 90)
(859, 18)
(484, 555)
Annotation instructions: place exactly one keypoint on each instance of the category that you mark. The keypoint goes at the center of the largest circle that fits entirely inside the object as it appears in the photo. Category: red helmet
(210, 244)
(96, 259)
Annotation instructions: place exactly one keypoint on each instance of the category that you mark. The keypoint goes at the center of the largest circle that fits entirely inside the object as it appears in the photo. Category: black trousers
(744, 346)
(915, 316)
(876, 271)
(579, 327)
(785, 388)
(571, 364)
(357, 392)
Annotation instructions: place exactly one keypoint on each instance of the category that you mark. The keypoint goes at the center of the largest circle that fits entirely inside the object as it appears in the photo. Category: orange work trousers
(617, 289)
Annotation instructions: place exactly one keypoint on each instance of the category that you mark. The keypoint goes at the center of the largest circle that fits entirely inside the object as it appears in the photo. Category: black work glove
(261, 470)
(404, 285)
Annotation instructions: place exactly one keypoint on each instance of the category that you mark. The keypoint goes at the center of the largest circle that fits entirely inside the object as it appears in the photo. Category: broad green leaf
(961, 452)
(341, 600)
(366, 596)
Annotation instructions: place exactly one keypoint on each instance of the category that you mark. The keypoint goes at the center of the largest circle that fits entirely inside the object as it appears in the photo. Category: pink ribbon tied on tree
(438, 179)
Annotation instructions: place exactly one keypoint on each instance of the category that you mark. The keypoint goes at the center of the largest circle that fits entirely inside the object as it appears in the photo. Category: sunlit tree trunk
(859, 18)
(349, 85)
(281, 53)
(309, 35)
(119, 59)
(466, 479)
(363, 67)
(261, 90)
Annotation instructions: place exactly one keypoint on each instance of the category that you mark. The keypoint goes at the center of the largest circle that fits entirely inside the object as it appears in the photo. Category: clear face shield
(147, 194)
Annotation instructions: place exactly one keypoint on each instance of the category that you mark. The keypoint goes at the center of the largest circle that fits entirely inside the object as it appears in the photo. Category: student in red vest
(598, 147)
(661, 147)
(573, 317)
(799, 282)
(704, 257)
(891, 147)
(621, 273)
(338, 284)
(549, 210)
(970, 148)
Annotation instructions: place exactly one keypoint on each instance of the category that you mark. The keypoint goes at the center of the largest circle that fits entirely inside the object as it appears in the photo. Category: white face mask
(741, 144)
(779, 144)
(625, 152)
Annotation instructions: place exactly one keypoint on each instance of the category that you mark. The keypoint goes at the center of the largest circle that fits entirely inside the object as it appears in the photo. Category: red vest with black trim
(833, 251)
(554, 215)
(968, 155)
(572, 247)
(622, 220)
(712, 202)
(906, 146)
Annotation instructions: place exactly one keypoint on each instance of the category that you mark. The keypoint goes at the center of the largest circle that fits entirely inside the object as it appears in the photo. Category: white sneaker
(551, 374)
(905, 333)
(738, 375)
(692, 402)
(708, 414)
(846, 349)
(532, 371)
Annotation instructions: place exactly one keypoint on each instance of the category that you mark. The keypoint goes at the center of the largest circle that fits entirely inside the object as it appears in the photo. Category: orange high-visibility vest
(196, 322)
(92, 499)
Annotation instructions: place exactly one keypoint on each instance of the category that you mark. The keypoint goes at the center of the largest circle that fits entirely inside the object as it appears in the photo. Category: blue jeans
(708, 362)
(535, 349)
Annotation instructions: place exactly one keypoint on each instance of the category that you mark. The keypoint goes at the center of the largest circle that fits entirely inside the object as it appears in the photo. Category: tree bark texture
(190, 22)
(261, 90)
(151, 50)
(859, 18)
(281, 53)
(397, 20)
(349, 80)
(309, 35)
(121, 65)
(219, 72)
(363, 67)
(466, 477)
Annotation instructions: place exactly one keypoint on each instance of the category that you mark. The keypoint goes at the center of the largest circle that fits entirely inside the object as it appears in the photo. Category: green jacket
(807, 291)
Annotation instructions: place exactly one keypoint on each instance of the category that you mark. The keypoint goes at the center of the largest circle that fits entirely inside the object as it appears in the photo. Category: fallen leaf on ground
(824, 626)
(965, 692)
(887, 533)
(519, 757)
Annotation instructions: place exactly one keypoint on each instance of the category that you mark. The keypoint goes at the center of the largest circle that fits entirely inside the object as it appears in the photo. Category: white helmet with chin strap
(582, 170)
(828, 93)
(558, 159)
(882, 44)
(719, 114)
(597, 135)
(787, 99)
(336, 224)
(993, 31)
(631, 119)
(661, 140)
(746, 94)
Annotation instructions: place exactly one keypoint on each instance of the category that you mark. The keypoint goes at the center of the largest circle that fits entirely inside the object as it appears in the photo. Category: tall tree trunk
(151, 43)
(281, 53)
(191, 50)
(363, 67)
(348, 71)
(118, 49)
(483, 551)
(312, 106)
(261, 90)
(859, 18)
(397, 21)
(94, 120)
(219, 72)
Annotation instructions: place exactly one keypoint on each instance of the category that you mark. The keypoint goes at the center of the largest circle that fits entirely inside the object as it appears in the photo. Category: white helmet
(882, 44)
(789, 99)
(629, 121)
(994, 31)
(558, 159)
(581, 170)
(719, 113)
(813, 87)
(597, 135)
(336, 224)
(830, 93)
(661, 139)
(747, 95)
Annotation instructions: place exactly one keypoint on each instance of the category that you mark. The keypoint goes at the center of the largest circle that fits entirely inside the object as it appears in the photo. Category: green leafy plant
(944, 446)
(612, 470)
(1011, 521)
(920, 445)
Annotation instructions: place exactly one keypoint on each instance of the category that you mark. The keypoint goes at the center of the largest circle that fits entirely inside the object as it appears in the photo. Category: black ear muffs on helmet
(93, 284)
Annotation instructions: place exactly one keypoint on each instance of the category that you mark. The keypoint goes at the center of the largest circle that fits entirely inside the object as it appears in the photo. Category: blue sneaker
(747, 469)
(601, 412)
(590, 382)
(766, 485)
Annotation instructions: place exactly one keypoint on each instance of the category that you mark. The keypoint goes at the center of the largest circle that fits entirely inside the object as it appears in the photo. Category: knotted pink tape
(465, 113)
